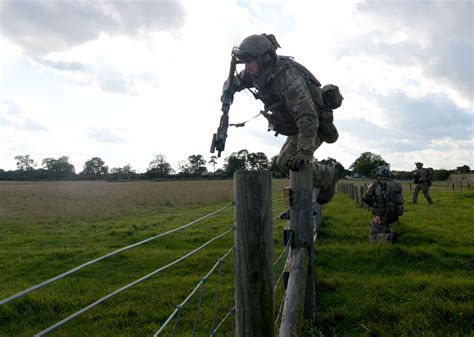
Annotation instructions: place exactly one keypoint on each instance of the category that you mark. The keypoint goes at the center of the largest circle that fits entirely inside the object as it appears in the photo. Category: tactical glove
(297, 162)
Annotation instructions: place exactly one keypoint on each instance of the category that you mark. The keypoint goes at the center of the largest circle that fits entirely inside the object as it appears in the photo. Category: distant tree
(95, 167)
(25, 163)
(277, 170)
(463, 169)
(213, 162)
(366, 163)
(236, 161)
(334, 163)
(195, 162)
(59, 168)
(126, 170)
(183, 168)
(159, 167)
(257, 161)
(441, 174)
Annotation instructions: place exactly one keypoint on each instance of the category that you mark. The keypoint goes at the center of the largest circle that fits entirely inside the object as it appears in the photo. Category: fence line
(69, 272)
(90, 306)
(203, 280)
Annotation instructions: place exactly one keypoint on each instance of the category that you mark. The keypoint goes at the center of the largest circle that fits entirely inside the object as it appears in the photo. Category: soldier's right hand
(297, 162)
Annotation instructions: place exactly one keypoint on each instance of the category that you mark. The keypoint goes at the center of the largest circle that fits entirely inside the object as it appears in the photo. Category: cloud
(436, 36)
(15, 117)
(105, 135)
(430, 117)
(44, 26)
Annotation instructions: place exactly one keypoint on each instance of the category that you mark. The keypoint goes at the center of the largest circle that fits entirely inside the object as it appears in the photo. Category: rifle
(219, 138)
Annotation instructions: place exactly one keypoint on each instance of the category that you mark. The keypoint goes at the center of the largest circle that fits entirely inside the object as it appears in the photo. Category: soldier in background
(422, 179)
(385, 198)
(295, 106)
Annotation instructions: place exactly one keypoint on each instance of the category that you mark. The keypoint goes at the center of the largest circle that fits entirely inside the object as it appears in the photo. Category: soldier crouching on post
(422, 179)
(386, 199)
(295, 105)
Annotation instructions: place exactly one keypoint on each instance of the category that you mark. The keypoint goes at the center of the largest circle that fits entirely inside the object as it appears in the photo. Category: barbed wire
(90, 306)
(69, 272)
(191, 294)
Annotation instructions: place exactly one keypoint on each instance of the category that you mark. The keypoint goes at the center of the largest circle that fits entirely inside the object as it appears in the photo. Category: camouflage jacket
(288, 101)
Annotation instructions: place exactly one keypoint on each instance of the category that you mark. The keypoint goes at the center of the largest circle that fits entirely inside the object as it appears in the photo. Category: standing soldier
(386, 199)
(422, 179)
(295, 105)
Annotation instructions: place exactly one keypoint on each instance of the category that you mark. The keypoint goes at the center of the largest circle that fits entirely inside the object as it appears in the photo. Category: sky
(127, 80)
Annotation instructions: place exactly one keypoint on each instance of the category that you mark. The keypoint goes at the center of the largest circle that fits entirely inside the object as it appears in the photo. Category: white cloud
(128, 80)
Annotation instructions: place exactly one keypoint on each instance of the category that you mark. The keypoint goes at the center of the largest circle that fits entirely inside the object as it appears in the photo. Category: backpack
(429, 175)
(393, 200)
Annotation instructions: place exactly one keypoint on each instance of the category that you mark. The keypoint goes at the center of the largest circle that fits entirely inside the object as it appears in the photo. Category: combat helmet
(261, 47)
(383, 171)
(418, 164)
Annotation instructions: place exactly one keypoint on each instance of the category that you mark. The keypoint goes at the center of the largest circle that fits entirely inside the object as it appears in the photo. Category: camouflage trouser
(425, 188)
(380, 232)
(324, 176)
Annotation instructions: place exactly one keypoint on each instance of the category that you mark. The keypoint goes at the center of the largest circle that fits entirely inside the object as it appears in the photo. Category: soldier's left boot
(325, 178)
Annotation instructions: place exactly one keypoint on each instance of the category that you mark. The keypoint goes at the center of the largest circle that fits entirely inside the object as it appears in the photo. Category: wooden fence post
(300, 297)
(254, 306)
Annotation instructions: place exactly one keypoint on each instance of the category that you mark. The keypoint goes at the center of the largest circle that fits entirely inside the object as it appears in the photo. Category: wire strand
(69, 272)
(191, 294)
(90, 306)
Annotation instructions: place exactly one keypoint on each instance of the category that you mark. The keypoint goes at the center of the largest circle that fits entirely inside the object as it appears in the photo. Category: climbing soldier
(295, 105)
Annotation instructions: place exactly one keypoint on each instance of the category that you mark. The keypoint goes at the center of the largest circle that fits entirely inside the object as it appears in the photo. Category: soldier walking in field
(422, 179)
(295, 105)
(385, 198)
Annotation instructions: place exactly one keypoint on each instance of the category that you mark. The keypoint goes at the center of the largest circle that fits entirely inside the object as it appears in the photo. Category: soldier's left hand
(297, 162)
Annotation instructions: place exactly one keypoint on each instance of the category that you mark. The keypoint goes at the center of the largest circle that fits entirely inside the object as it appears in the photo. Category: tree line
(192, 168)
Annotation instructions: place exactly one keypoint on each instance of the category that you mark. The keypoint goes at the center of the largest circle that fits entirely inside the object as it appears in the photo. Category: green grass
(420, 286)
(49, 228)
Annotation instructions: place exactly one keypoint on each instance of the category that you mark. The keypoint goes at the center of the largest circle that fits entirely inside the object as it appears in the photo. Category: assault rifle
(219, 138)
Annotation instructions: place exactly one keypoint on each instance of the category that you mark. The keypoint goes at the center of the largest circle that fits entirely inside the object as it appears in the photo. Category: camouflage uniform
(295, 107)
(386, 199)
(422, 183)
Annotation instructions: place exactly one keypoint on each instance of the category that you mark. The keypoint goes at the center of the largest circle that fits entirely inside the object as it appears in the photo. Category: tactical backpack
(393, 200)
(429, 175)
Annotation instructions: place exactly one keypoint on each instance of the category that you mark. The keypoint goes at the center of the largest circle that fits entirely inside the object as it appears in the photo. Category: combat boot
(325, 178)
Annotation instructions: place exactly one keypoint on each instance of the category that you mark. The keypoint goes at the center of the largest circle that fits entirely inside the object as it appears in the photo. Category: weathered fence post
(254, 307)
(361, 196)
(300, 297)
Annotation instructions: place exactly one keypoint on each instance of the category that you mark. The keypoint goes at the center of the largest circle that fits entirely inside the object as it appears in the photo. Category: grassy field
(49, 228)
(420, 286)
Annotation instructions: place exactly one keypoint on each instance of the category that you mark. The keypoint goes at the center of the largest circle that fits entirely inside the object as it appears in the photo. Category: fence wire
(191, 294)
(69, 272)
(90, 306)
